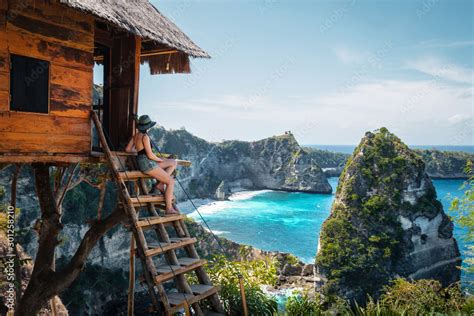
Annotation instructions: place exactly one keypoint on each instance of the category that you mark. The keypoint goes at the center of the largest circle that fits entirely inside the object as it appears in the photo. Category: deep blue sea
(348, 149)
(290, 222)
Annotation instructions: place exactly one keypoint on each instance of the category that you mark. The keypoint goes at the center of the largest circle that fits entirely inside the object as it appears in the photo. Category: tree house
(48, 49)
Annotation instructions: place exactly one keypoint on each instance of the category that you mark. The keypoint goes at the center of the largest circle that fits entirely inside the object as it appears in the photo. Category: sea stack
(385, 222)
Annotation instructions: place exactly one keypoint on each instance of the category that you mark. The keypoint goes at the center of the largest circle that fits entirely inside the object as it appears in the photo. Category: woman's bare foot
(161, 187)
(171, 211)
(158, 189)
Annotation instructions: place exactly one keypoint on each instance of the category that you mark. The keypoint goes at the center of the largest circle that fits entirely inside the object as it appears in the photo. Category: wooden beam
(159, 52)
(27, 158)
(131, 278)
(135, 90)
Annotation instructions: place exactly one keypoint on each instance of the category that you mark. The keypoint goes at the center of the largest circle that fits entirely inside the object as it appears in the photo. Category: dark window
(29, 84)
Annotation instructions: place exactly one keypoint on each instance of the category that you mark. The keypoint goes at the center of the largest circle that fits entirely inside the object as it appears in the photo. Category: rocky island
(385, 222)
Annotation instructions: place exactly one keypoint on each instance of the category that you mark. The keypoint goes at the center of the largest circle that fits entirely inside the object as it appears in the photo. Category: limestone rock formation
(446, 165)
(385, 223)
(277, 163)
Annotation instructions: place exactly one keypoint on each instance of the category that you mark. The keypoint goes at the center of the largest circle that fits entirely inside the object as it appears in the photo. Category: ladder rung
(150, 221)
(178, 301)
(187, 261)
(158, 248)
(133, 175)
(167, 274)
(201, 288)
(143, 199)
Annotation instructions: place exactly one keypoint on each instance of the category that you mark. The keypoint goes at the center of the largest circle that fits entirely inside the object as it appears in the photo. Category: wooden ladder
(178, 254)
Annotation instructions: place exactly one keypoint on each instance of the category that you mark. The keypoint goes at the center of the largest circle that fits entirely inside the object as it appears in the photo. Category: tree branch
(68, 274)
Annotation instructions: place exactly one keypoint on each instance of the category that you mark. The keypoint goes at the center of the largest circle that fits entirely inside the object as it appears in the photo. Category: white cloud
(350, 56)
(437, 43)
(438, 69)
(419, 111)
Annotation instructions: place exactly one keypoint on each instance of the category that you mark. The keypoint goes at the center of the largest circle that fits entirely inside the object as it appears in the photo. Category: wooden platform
(67, 158)
(57, 159)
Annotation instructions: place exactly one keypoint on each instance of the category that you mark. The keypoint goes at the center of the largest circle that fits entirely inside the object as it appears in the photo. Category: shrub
(255, 274)
(421, 297)
(303, 304)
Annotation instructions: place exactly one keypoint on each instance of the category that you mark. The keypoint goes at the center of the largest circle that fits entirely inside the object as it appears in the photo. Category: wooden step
(154, 220)
(159, 248)
(178, 300)
(167, 272)
(134, 175)
(199, 289)
(183, 263)
(141, 200)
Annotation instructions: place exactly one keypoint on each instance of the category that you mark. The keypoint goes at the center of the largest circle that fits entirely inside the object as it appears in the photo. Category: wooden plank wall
(49, 31)
(125, 65)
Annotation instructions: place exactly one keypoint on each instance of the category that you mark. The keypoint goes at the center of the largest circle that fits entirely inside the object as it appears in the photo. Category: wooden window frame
(49, 85)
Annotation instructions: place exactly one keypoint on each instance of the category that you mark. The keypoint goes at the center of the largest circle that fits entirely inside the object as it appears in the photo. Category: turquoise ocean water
(290, 222)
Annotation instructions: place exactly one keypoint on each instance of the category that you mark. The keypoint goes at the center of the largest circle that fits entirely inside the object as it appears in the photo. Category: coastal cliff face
(103, 283)
(277, 163)
(446, 165)
(385, 223)
(439, 164)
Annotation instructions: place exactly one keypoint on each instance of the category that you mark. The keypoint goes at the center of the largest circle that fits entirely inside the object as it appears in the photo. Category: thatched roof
(140, 17)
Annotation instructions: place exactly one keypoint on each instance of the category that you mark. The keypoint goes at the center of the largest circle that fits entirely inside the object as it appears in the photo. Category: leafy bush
(255, 273)
(465, 215)
(303, 304)
(420, 297)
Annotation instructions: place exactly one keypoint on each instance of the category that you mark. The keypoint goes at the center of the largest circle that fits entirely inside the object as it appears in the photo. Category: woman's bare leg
(169, 165)
(163, 177)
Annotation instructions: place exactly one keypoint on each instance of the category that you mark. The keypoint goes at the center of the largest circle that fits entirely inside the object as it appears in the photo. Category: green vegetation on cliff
(445, 164)
(465, 216)
(326, 158)
(362, 241)
(402, 297)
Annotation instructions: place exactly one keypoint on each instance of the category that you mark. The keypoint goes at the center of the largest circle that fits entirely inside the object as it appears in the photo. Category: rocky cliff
(445, 164)
(439, 164)
(104, 279)
(277, 163)
(385, 223)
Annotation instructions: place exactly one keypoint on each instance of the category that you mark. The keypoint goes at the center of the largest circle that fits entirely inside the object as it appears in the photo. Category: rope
(192, 202)
(140, 205)
(239, 275)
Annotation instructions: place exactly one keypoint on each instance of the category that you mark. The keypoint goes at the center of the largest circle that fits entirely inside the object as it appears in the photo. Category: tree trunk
(17, 266)
(45, 283)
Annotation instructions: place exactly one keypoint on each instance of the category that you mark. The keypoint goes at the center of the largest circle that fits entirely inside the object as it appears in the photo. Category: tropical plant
(420, 297)
(255, 274)
(465, 215)
(303, 304)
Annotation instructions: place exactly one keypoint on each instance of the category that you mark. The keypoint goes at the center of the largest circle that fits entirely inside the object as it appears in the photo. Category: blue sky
(327, 70)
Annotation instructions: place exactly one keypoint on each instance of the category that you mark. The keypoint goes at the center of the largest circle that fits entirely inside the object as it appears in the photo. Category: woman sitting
(159, 168)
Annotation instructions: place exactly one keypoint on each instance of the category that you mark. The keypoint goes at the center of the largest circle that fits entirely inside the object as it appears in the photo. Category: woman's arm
(149, 152)
(130, 146)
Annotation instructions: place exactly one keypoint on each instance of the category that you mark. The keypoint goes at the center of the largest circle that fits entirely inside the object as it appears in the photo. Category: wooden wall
(49, 31)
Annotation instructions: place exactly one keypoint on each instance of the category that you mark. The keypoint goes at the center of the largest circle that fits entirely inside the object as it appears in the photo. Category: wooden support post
(171, 258)
(242, 293)
(131, 278)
